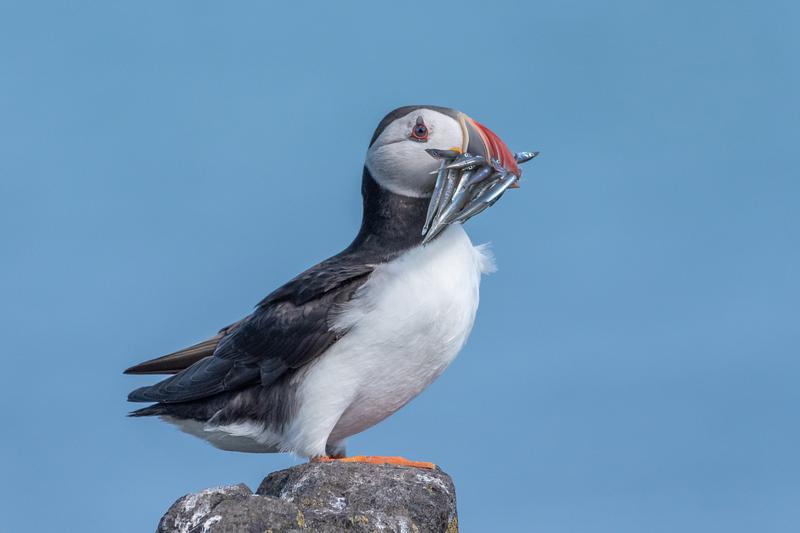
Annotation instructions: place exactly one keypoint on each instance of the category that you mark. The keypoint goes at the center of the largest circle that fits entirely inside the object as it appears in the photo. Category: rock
(323, 497)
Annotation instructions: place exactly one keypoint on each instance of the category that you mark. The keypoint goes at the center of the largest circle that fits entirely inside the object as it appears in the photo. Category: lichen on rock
(323, 497)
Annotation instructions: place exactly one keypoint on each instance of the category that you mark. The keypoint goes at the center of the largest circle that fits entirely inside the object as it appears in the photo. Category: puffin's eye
(420, 131)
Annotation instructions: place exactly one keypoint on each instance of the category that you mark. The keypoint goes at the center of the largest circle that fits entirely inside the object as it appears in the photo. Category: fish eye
(420, 131)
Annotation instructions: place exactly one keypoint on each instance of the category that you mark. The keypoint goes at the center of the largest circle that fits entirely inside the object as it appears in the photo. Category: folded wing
(288, 329)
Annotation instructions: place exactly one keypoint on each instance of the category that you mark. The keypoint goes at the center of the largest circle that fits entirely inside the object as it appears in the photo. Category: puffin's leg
(336, 450)
(375, 460)
(386, 460)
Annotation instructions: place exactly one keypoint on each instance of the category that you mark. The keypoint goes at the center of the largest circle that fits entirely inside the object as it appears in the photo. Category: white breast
(405, 325)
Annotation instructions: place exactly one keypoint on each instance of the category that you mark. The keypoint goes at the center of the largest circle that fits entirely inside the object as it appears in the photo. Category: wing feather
(289, 328)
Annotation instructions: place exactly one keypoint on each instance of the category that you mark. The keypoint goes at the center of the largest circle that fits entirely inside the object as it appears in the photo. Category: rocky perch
(323, 497)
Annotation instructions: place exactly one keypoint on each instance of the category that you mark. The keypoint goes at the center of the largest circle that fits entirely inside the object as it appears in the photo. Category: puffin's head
(397, 158)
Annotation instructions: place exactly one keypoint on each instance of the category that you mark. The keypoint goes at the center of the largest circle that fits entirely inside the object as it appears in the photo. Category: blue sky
(634, 364)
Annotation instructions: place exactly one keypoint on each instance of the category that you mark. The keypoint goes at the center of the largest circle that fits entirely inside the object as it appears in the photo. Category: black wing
(289, 328)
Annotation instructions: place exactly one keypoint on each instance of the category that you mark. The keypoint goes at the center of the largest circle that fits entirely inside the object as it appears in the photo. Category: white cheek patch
(403, 168)
(401, 164)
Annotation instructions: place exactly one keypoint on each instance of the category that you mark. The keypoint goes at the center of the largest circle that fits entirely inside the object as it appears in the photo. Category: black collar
(391, 222)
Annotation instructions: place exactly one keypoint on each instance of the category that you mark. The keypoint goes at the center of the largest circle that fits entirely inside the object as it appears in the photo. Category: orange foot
(375, 460)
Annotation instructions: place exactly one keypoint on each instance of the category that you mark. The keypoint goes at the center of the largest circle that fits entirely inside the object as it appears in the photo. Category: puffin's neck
(391, 222)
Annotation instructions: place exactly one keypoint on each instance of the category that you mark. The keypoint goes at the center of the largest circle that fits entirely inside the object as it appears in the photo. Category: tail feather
(175, 362)
(151, 410)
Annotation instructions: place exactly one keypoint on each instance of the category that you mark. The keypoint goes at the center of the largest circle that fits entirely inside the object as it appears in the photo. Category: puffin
(351, 340)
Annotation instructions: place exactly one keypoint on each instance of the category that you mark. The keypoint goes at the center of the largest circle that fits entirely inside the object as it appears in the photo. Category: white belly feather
(405, 325)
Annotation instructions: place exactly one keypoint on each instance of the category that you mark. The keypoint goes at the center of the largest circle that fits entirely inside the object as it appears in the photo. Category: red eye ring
(420, 131)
